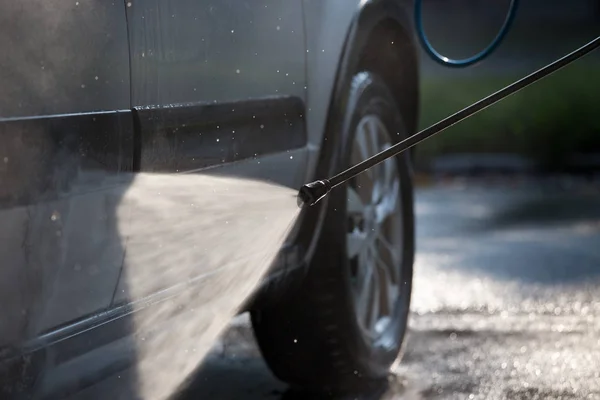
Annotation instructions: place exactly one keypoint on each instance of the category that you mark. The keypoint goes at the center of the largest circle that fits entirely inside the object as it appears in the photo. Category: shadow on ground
(249, 378)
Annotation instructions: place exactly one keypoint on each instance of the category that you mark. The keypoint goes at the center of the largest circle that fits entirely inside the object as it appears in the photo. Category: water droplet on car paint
(217, 139)
(96, 77)
(261, 126)
(83, 86)
(278, 27)
(55, 216)
(237, 71)
(5, 160)
(128, 4)
(291, 157)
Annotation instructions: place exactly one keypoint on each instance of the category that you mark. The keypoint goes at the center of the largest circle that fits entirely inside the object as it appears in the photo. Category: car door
(65, 140)
(214, 83)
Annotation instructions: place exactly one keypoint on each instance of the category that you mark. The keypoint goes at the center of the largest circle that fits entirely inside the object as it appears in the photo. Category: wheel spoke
(374, 293)
(388, 285)
(374, 129)
(355, 243)
(354, 203)
(388, 173)
(363, 147)
(365, 290)
(374, 133)
(391, 257)
(388, 203)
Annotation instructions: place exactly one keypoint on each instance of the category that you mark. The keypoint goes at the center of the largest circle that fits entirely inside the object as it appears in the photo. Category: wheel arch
(368, 41)
(379, 39)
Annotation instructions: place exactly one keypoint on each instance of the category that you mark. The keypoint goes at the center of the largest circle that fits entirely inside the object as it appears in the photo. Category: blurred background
(552, 126)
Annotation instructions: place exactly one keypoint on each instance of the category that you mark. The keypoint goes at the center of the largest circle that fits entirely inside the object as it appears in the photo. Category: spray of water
(214, 236)
(179, 252)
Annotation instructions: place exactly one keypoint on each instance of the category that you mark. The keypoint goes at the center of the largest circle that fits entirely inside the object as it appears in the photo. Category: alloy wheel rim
(374, 237)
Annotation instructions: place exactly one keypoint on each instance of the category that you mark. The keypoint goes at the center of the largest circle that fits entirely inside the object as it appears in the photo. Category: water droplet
(5, 160)
(291, 157)
(232, 31)
(286, 74)
(55, 216)
(83, 86)
(217, 139)
(278, 27)
(261, 126)
(128, 4)
(76, 3)
(237, 71)
(295, 340)
(96, 77)
(323, 51)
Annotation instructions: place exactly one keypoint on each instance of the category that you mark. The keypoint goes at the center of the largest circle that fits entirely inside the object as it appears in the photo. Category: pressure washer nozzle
(311, 193)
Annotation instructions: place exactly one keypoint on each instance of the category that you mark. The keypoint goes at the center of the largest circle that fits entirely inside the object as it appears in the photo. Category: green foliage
(547, 121)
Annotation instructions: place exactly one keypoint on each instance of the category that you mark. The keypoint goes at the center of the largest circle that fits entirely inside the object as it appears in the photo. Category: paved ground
(506, 301)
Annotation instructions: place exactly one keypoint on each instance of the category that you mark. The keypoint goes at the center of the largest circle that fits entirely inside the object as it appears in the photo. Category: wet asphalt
(506, 301)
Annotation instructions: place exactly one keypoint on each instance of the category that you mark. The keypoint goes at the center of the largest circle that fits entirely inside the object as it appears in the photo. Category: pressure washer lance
(311, 193)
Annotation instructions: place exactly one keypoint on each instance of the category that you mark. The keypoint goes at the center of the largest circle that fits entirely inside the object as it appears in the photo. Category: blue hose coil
(465, 62)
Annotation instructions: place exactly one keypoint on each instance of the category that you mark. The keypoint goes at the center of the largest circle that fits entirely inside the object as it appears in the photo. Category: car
(98, 92)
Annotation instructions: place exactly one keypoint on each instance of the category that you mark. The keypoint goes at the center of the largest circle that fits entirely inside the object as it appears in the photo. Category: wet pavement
(506, 301)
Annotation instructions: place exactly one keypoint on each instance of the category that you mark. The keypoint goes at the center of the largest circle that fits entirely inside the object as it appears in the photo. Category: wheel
(345, 326)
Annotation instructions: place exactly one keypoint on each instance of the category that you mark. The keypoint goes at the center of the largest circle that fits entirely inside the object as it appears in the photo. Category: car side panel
(219, 87)
(65, 158)
(63, 57)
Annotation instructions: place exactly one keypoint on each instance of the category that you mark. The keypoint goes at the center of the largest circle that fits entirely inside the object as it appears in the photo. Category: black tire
(311, 338)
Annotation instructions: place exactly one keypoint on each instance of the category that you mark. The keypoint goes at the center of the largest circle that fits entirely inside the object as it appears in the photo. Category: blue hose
(465, 62)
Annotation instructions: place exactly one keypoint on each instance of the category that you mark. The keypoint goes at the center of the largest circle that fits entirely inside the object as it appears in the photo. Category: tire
(313, 338)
